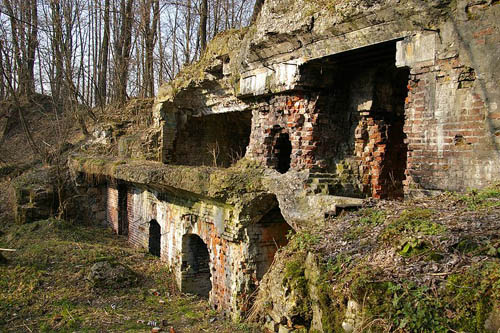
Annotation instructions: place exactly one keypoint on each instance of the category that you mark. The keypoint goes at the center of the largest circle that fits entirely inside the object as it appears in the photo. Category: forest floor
(428, 264)
(44, 287)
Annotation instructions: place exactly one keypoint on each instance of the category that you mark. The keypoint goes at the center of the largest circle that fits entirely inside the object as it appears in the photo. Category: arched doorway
(154, 238)
(269, 234)
(195, 267)
(283, 151)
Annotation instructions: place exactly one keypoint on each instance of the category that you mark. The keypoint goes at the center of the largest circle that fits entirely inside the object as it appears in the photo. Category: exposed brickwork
(352, 128)
(95, 205)
(295, 115)
(447, 129)
(219, 139)
(235, 264)
(371, 143)
(112, 209)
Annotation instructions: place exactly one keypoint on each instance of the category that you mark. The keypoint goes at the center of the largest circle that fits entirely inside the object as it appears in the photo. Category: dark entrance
(283, 151)
(216, 140)
(122, 210)
(362, 103)
(389, 101)
(269, 234)
(195, 266)
(154, 238)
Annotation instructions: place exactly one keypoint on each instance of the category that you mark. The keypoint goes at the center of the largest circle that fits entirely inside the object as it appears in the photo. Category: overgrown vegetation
(427, 265)
(43, 286)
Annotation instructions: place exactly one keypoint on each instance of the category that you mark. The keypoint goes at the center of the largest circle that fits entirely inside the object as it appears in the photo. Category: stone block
(418, 49)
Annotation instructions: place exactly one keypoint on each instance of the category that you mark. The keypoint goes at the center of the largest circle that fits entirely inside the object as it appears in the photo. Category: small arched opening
(154, 238)
(269, 234)
(195, 267)
(283, 151)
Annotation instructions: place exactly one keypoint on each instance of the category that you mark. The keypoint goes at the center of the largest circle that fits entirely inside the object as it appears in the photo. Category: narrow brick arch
(154, 243)
(195, 268)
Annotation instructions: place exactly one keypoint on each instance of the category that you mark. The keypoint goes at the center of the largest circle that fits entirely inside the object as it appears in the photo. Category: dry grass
(43, 287)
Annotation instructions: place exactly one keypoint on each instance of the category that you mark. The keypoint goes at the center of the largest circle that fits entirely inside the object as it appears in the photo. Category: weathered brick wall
(112, 206)
(449, 139)
(219, 139)
(138, 227)
(233, 270)
(293, 114)
(265, 238)
(92, 204)
(352, 128)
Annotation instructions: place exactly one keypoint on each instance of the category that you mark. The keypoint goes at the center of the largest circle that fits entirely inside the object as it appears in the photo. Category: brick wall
(232, 268)
(93, 206)
(450, 146)
(112, 205)
(293, 114)
(221, 138)
(352, 128)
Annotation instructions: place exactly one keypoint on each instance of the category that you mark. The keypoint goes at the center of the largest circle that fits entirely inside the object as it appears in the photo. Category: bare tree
(203, 24)
(91, 51)
(150, 37)
(256, 10)
(24, 37)
(123, 44)
(102, 65)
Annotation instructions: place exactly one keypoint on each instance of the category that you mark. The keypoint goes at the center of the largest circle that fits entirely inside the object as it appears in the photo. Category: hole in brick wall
(268, 235)
(195, 266)
(154, 238)
(283, 151)
(361, 109)
(122, 210)
(214, 140)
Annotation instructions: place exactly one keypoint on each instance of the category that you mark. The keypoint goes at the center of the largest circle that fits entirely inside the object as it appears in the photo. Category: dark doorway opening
(389, 102)
(283, 151)
(122, 210)
(269, 234)
(195, 266)
(154, 238)
(361, 101)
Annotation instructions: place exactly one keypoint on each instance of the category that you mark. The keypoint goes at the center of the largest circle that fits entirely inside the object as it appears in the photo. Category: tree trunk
(256, 10)
(203, 25)
(122, 51)
(102, 79)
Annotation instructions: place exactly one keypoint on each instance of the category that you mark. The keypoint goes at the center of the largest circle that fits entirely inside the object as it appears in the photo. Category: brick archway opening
(268, 235)
(154, 238)
(283, 152)
(195, 267)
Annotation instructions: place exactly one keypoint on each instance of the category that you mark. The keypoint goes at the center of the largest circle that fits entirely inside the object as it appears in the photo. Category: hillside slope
(422, 265)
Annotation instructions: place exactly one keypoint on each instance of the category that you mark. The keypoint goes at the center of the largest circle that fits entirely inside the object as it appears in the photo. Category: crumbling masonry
(322, 106)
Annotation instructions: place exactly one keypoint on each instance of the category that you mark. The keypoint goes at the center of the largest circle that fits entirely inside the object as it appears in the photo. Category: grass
(413, 221)
(483, 199)
(369, 218)
(43, 286)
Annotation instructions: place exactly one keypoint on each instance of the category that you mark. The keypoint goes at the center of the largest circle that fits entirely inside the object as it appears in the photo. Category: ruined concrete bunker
(295, 123)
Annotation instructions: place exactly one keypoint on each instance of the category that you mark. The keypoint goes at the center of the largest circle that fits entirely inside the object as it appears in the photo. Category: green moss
(295, 281)
(303, 240)
(369, 218)
(486, 198)
(471, 295)
(413, 221)
(462, 304)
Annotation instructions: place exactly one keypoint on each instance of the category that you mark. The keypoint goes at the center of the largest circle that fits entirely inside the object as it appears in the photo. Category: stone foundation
(236, 259)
